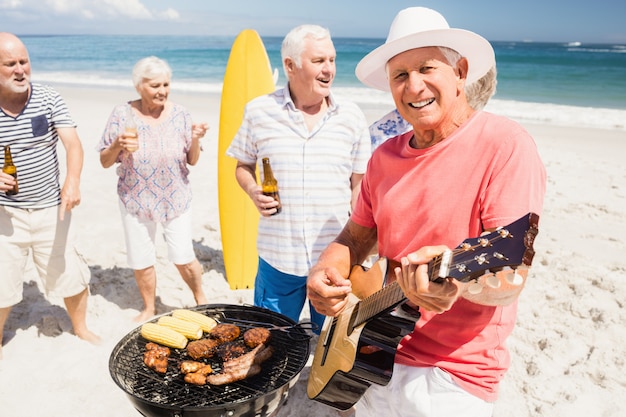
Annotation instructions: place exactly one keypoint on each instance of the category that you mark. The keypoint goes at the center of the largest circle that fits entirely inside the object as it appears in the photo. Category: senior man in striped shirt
(318, 147)
(36, 220)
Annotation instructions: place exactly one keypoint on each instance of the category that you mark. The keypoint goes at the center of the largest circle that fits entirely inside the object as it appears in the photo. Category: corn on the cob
(163, 335)
(206, 323)
(188, 329)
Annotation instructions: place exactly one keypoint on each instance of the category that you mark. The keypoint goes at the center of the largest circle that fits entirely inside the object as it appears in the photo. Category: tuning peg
(492, 281)
(514, 278)
(475, 287)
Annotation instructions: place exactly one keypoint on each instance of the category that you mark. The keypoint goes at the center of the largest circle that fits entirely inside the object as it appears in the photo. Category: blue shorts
(283, 293)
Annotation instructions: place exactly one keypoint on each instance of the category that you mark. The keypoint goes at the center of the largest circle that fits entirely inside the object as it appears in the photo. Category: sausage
(255, 357)
(234, 375)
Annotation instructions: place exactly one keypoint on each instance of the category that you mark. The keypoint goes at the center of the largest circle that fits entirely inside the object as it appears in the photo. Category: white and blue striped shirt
(33, 139)
(313, 170)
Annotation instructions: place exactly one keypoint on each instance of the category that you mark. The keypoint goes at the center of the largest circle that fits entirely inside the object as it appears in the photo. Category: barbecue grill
(155, 395)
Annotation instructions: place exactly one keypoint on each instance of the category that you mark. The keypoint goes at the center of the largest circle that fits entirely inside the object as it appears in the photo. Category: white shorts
(421, 392)
(40, 234)
(140, 236)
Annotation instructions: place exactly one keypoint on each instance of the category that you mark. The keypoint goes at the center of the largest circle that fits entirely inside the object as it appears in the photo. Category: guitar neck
(382, 301)
(509, 246)
(391, 295)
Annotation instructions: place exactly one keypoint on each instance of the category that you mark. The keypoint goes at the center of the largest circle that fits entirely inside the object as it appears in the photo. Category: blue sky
(532, 20)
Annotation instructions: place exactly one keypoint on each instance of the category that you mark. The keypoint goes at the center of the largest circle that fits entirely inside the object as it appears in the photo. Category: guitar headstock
(509, 246)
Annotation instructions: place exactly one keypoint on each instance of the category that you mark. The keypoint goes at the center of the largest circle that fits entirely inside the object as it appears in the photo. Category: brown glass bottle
(269, 184)
(9, 168)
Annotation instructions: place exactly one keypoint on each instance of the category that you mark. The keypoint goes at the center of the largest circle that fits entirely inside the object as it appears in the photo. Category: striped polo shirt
(313, 170)
(33, 139)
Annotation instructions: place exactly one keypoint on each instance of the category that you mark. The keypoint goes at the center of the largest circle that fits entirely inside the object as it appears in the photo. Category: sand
(567, 350)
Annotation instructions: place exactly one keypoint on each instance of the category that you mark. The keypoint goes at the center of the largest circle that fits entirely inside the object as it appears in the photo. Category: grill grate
(291, 352)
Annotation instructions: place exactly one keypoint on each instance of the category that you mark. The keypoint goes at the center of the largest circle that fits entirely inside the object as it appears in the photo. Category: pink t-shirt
(487, 174)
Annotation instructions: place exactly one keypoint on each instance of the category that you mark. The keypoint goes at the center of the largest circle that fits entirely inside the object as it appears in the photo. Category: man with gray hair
(458, 173)
(318, 147)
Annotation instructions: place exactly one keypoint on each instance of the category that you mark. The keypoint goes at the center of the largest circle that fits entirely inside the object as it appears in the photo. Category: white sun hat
(417, 27)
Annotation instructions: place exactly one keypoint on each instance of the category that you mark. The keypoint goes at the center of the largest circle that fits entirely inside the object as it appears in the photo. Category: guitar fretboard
(391, 295)
(388, 297)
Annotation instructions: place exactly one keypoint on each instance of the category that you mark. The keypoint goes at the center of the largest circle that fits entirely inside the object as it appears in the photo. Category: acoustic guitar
(357, 348)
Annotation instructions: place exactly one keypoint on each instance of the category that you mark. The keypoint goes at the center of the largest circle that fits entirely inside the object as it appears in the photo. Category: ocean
(563, 83)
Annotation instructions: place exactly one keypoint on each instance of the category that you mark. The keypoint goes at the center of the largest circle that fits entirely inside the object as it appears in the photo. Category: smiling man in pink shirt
(456, 174)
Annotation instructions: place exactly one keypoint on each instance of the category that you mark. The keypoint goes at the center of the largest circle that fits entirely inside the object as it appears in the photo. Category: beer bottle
(9, 168)
(269, 184)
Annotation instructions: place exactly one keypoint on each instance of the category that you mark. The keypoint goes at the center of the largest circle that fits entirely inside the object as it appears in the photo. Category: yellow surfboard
(248, 75)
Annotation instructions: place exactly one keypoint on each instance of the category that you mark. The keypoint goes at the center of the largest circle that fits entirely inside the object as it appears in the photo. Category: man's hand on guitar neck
(412, 276)
(498, 288)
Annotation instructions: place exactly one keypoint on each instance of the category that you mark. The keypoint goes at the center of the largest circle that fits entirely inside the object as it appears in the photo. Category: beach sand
(567, 350)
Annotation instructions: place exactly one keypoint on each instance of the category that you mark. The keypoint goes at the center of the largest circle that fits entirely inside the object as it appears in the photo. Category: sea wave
(615, 49)
(90, 79)
(558, 114)
(546, 113)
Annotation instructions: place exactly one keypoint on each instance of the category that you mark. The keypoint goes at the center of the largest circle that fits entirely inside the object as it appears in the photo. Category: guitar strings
(371, 306)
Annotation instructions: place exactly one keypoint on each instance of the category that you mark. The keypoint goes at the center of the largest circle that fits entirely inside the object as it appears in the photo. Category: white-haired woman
(153, 185)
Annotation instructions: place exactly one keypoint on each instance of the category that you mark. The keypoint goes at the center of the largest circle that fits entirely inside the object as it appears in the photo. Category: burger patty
(202, 349)
(225, 332)
(257, 336)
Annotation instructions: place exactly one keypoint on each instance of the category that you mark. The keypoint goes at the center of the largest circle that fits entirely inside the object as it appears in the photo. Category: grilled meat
(202, 349)
(225, 332)
(156, 346)
(244, 366)
(155, 357)
(256, 356)
(233, 376)
(231, 350)
(189, 367)
(257, 336)
(199, 377)
(238, 361)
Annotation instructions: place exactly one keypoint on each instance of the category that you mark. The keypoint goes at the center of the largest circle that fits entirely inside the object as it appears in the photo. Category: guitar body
(358, 358)
(358, 347)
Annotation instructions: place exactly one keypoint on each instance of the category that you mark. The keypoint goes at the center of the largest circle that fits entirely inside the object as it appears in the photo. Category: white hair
(293, 45)
(480, 91)
(149, 68)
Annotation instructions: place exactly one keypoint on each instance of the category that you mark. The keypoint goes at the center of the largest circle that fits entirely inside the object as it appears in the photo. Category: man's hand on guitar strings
(328, 290)
(412, 276)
